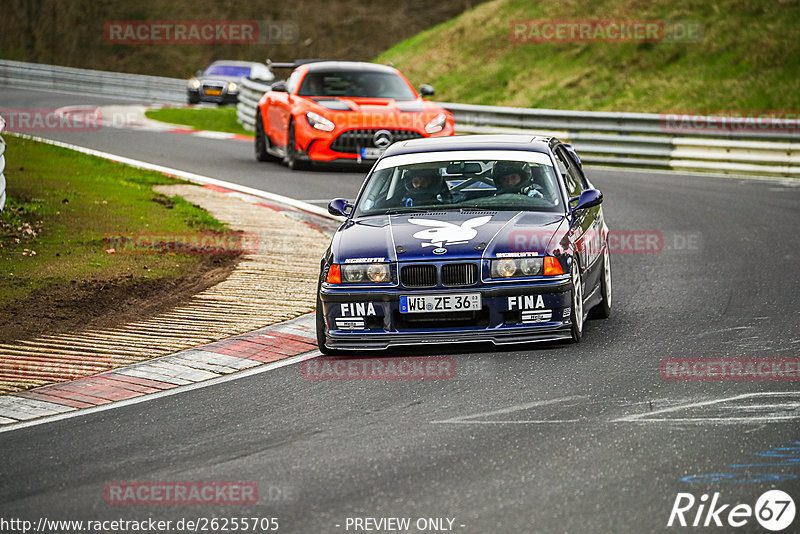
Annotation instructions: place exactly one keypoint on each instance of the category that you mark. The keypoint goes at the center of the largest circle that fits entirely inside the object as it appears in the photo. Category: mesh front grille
(352, 141)
(418, 275)
(459, 274)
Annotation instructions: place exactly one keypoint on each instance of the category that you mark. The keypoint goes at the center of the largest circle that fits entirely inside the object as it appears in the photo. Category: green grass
(62, 204)
(747, 60)
(220, 119)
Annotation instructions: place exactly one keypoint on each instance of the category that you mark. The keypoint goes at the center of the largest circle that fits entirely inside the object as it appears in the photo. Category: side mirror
(426, 90)
(340, 206)
(198, 73)
(588, 199)
(279, 87)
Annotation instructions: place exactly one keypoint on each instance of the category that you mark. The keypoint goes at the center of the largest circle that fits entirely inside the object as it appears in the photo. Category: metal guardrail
(666, 141)
(250, 92)
(643, 140)
(2, 165)
(604, 138)
(137, 86)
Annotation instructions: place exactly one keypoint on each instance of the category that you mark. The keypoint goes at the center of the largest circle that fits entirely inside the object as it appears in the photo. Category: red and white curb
(132, 117)
(174, 372)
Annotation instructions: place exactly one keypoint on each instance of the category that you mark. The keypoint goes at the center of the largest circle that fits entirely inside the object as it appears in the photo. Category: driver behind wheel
(422, 186)
(514, 177)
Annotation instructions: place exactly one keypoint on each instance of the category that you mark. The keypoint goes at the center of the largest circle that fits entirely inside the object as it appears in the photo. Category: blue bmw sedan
(483, 238)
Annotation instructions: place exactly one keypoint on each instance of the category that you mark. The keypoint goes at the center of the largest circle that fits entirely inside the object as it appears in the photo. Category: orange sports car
(343, 112)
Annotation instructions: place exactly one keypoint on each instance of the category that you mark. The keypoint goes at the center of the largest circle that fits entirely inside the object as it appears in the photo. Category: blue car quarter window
(496, 180)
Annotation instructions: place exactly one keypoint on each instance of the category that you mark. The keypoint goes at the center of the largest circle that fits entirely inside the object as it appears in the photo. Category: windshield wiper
(397, 211)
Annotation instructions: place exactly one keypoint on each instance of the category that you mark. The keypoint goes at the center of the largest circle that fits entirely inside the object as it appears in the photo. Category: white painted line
(164, 393)
(653, 416)
(189, 176)
(512, 422)
(468, 419)
(210, 134)
(221, 359)
(150, 375)
(720, 420)
(200, 364)
(178, 371)
(779, 406)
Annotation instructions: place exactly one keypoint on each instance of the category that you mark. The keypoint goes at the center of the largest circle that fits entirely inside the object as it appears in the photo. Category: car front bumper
(368, 319)
(223, 98)
(328, 147)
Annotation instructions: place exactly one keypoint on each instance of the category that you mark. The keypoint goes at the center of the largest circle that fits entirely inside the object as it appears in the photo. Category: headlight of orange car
(437, 124)
(319, 122)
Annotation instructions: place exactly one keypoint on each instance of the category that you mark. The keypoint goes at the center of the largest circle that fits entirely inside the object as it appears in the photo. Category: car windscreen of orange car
(356, 84)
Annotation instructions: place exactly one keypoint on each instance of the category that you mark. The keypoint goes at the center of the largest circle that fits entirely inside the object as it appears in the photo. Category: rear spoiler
(293, 65)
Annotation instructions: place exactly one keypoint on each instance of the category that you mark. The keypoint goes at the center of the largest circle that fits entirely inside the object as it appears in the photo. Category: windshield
(356, 84)
(233, 71)
(486, 183)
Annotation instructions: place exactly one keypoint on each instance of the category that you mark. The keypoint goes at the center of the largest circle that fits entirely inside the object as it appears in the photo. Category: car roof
(530, 143)
(328, 66)
(234, 62)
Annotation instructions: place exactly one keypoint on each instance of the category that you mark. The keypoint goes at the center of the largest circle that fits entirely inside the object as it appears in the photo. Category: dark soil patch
(98, 303)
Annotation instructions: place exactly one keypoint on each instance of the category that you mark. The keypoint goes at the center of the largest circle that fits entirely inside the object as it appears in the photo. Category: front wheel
(292, 160)
(576, 314)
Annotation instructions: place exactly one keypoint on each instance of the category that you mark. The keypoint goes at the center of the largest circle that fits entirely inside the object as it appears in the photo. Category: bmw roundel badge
(439, 250)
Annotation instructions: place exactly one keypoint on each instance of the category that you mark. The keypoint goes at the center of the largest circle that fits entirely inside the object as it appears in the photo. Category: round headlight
(353, 273)
(378, 272)
(530, 266)
(506, 267)
(232, 87)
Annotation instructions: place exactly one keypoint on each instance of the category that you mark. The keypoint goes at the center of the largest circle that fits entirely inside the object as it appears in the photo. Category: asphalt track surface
(542, 438)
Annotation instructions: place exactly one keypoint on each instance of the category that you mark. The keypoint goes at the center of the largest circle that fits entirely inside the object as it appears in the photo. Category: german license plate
(214, 92)
(371, 153)
(440, 303)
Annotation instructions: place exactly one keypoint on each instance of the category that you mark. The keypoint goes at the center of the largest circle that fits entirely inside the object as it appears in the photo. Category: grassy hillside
(748, 58)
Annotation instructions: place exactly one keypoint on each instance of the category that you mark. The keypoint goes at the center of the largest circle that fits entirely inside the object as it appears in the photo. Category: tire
(323, 348)
(193, 99)
(576, 311)
(603, 309)
(262, 141)
(291, 158)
